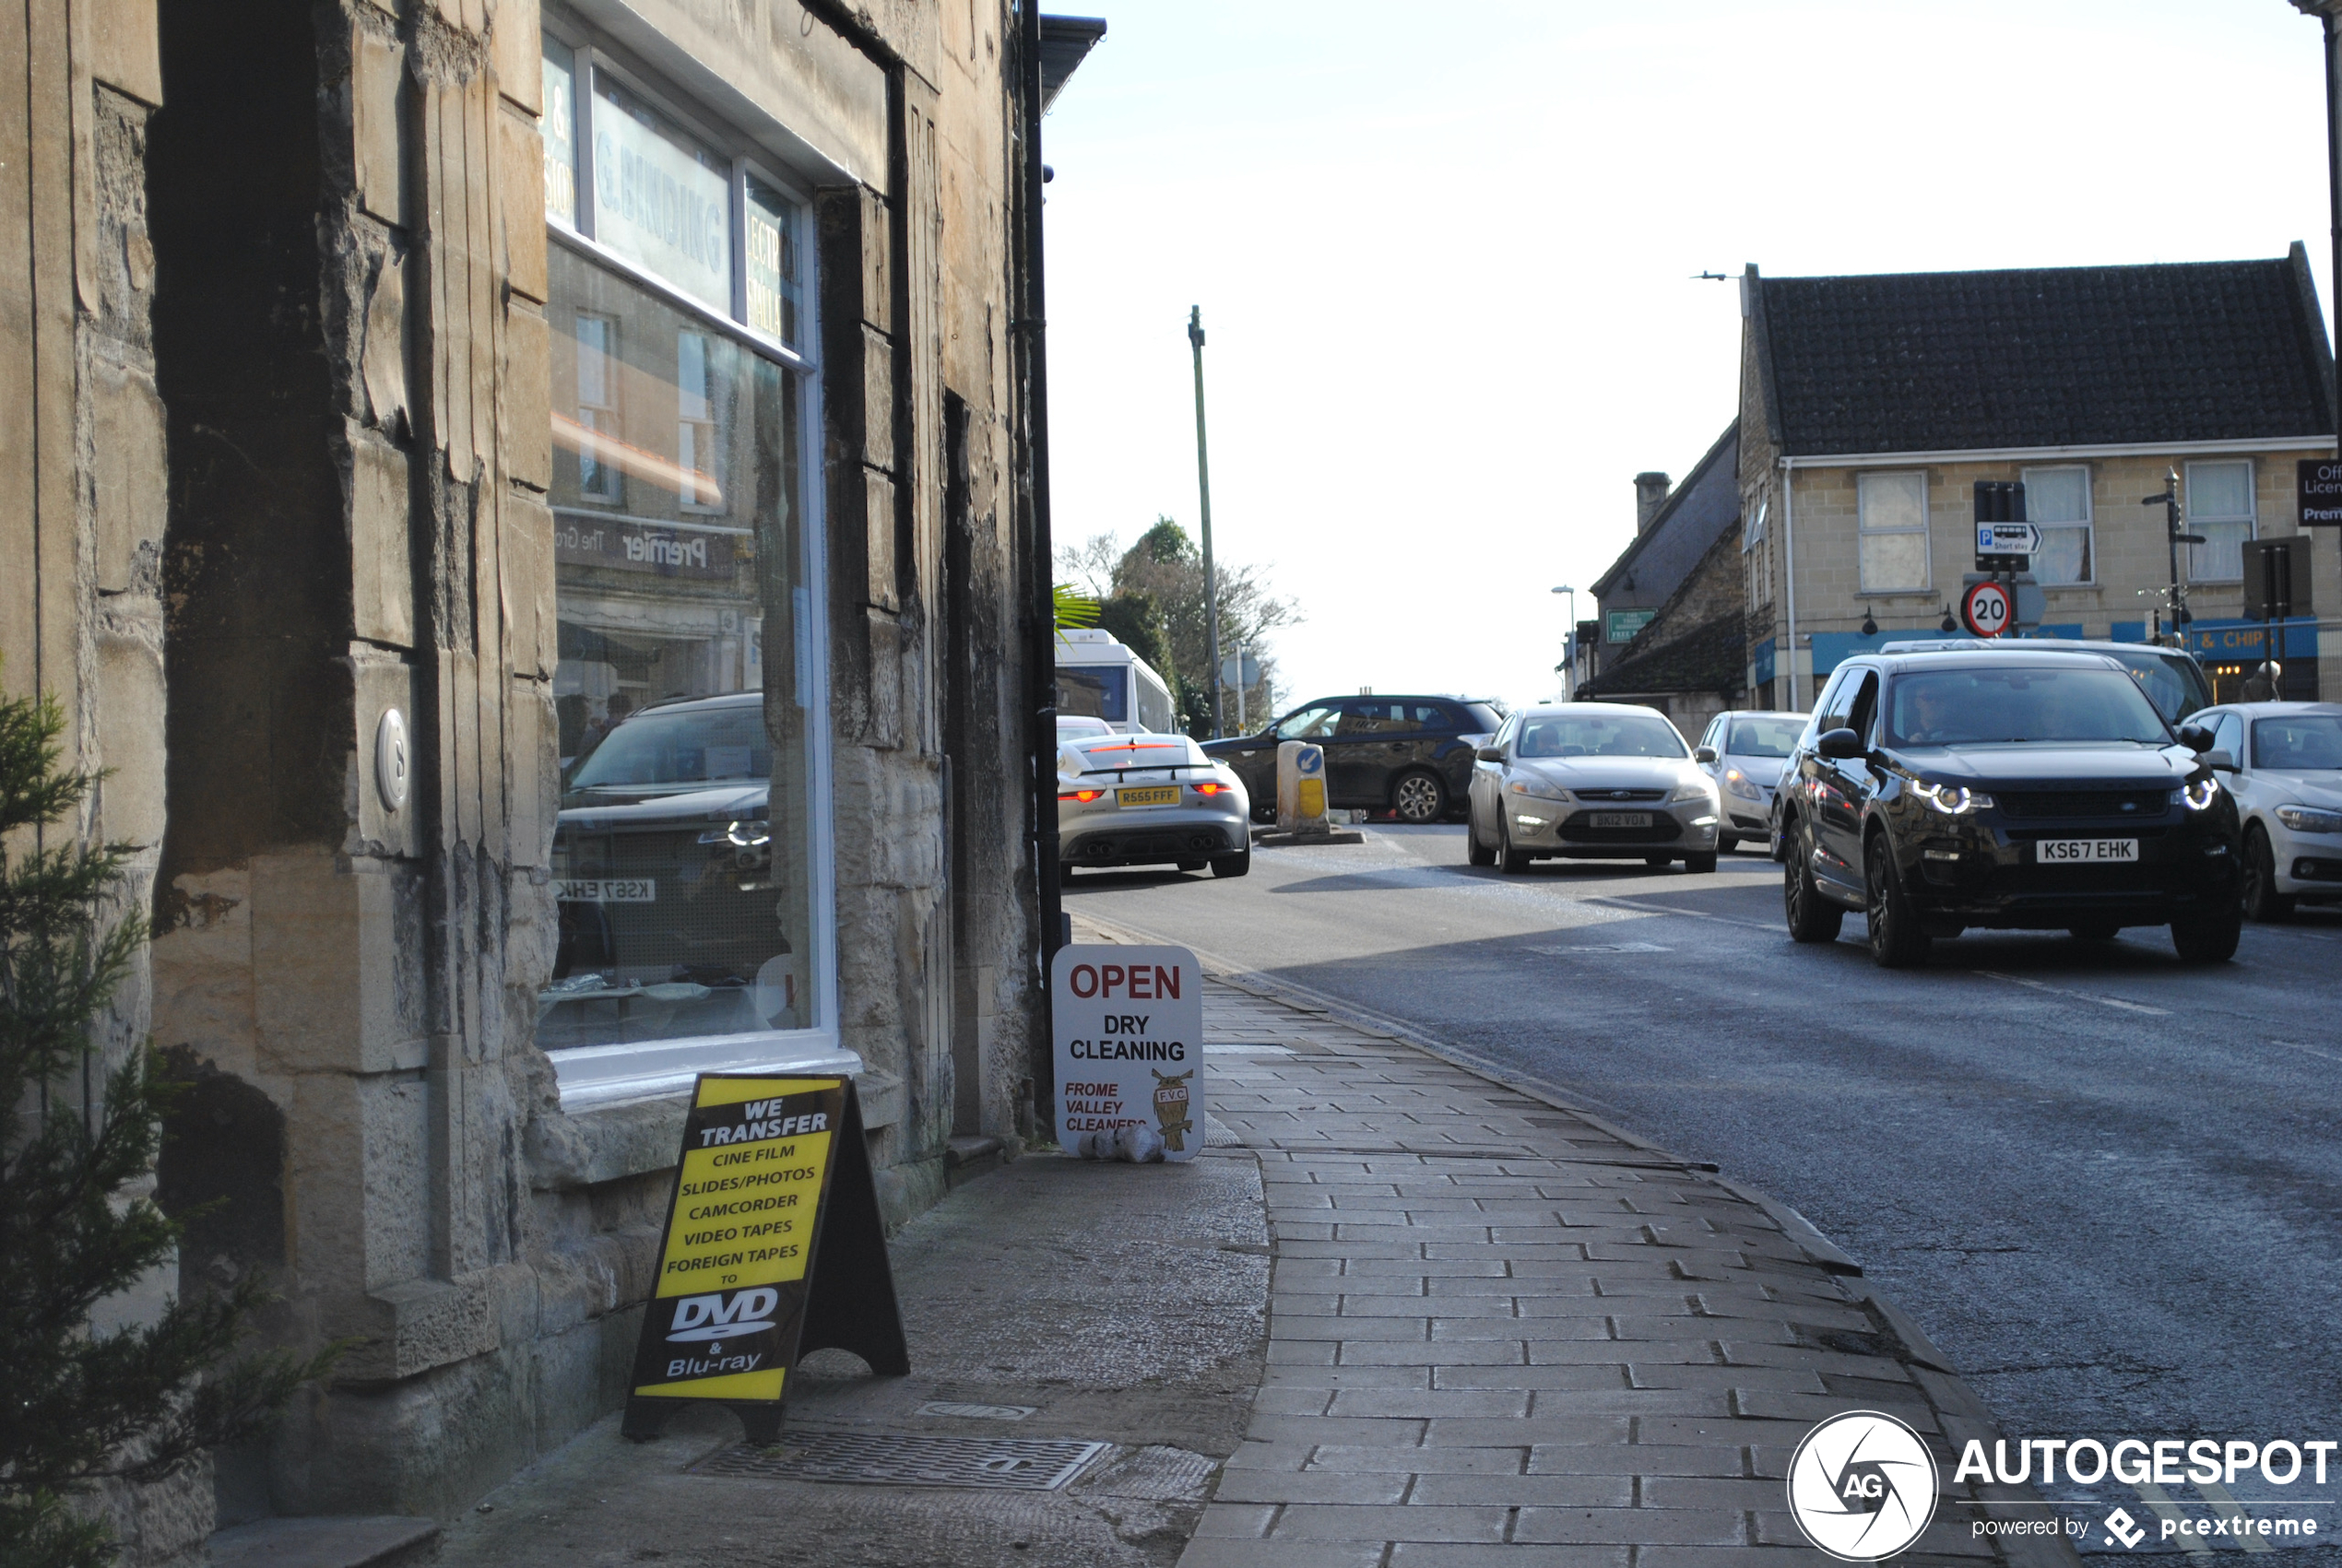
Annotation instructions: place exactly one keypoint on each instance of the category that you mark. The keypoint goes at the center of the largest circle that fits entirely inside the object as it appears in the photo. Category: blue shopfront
(2229, 650)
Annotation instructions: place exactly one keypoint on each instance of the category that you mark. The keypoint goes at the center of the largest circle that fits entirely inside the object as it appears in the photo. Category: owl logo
(1171, 1108)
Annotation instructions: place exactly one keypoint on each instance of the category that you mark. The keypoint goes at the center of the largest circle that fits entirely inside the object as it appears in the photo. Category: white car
(1589, 781)
(1148, 800)
(1749, 746)
(2283, 762)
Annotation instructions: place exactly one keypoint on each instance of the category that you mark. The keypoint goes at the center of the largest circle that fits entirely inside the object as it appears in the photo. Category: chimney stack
(1651, 494)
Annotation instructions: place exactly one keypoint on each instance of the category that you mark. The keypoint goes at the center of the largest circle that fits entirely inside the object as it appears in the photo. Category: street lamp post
(1203, 489)
(1570, 643)
(2326, 12)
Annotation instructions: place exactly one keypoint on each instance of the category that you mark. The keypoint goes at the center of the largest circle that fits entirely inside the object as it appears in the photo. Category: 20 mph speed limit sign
(1987, 609)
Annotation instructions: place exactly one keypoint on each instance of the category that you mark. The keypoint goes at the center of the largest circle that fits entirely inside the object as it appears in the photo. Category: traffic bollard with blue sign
(1301, 787)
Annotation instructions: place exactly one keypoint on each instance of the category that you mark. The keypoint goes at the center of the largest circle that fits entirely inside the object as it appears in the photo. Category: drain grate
(1010, 1464)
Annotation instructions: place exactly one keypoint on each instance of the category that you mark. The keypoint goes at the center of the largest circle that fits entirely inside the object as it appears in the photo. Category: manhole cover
(1011, 1464)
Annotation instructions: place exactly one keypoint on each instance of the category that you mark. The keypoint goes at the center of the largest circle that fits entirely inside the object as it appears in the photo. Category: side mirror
(2196, 737)
(1490, 754)
(1703, 754)
(2219, 761)
(1840, 745)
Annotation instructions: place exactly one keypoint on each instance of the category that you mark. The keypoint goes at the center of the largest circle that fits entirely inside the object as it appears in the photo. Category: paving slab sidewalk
(1114, 1304)
(1503, 1331)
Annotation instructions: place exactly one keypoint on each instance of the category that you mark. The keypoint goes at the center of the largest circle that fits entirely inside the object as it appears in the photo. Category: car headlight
(1741, 784)
(1538, 789)
(1698, 789)
(1952, 800)
(2200, 794)
(2309, 819)
(748, 832)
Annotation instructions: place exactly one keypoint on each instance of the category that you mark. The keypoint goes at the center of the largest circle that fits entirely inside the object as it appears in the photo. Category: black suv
(1411, 755)
(2031, 791)
(662, 853)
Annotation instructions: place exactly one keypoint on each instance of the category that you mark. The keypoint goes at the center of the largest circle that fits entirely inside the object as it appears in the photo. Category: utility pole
(1203, 488)
(2325, 12)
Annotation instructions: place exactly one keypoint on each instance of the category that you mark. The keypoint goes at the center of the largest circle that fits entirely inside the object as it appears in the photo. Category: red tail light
(1083, 796)
(1211, 789)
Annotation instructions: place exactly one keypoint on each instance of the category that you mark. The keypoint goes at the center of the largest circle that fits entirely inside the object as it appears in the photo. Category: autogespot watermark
(1863, 1486)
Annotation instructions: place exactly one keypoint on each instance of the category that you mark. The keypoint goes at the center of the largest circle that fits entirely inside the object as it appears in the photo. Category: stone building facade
(1871, 406)
(1673, 634)
(403, 393)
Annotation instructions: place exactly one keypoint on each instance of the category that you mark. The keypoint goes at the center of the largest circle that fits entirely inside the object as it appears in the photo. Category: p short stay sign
(1129, 1038)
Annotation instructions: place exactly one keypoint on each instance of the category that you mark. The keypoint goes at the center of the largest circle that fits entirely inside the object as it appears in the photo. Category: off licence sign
(1986, 608)
(2319, 483)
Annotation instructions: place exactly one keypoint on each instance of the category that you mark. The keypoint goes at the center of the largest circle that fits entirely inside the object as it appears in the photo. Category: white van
(1102, 678)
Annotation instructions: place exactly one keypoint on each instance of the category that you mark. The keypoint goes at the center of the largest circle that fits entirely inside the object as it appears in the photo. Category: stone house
(1669, 609)
(402, 393)
(1871, 404)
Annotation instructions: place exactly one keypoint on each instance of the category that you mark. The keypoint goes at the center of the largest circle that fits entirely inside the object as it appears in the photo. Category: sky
(1447, 257)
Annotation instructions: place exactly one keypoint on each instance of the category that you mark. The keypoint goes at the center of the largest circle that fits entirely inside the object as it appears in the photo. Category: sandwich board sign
(1129, 1038)
(773, 1248)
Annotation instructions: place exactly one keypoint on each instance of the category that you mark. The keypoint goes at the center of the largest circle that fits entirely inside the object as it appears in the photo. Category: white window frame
(604, 1074)
(2088, 524)
(2250, 518)
(1863, 531)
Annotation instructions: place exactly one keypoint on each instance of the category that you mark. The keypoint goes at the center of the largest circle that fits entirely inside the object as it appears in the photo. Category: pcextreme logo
(1862, 1486)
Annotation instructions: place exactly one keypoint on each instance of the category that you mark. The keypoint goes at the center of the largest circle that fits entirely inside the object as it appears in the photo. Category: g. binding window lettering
(689, 852)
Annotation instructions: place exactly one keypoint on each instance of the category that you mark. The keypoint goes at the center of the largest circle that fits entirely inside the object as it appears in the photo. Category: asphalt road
(2107, 1185)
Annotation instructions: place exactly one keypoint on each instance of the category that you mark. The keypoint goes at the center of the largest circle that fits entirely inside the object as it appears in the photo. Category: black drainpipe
(1041, 653)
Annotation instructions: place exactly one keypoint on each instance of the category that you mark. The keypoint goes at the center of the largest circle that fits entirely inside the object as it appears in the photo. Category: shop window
(1893, 521)
(689, 854)
(2057, 501)
(2220, 507)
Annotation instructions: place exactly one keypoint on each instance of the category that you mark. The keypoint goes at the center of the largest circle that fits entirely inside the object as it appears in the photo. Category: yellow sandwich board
(773, 1249)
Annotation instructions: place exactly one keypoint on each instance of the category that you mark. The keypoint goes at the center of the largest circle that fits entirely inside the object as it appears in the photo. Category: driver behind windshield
(1982, 707)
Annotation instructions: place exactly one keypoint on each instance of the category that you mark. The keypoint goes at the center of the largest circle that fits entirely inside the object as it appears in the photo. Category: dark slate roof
(2078, 356)
(1711, 656)
(1704, 503)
